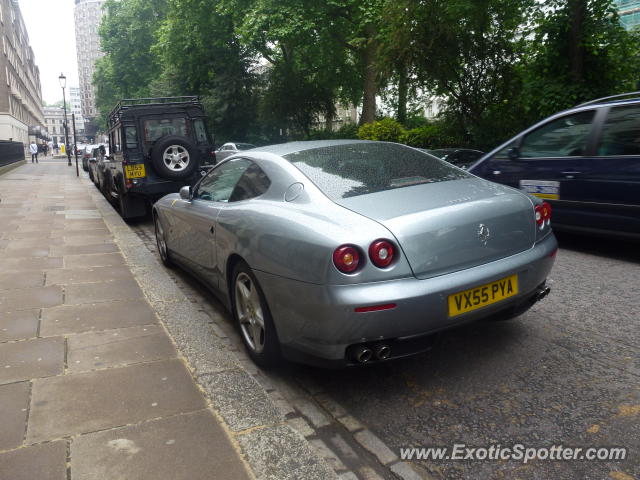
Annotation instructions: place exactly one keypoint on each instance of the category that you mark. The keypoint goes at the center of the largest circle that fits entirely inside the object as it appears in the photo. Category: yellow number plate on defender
(135, 171)
(478, 297)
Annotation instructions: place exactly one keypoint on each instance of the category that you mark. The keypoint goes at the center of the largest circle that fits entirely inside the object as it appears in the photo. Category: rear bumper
(318, 323)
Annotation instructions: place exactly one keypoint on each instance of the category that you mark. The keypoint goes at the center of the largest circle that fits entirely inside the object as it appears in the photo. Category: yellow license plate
(135, 171)
(478, 297)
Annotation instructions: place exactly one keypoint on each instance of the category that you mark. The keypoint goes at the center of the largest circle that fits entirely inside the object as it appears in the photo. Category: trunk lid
(449, 226)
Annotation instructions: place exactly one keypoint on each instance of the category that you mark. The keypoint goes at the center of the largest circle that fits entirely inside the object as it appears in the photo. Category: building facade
(88, 14)
(629, 11)
(54, 121)
(75, 106)
(20, 91)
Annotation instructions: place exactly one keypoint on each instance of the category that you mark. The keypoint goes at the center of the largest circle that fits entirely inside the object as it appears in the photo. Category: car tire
(174, 157)
(251, 311)
(91, 177)
(161, 243)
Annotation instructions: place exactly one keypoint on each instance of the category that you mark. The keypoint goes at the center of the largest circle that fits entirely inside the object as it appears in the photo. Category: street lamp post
(63, 84)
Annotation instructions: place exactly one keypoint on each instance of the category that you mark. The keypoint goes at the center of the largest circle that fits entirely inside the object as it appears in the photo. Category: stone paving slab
(39, 251)
(67, 276)
(14, 402)
(100, 316)
(110, 398)
(194, 442)
(64, 250)
(19, 325)
(86, 240)
(39, 462)
(125, 346)
(93, 260)
(124, 289)
(40, 357)
(29, 298)
(31, 242)
(21, 265)
(11, 281)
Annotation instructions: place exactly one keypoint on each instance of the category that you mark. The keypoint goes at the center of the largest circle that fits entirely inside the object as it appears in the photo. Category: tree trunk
(577, 12)
(370, 82)
(403, 89)
(329, 114)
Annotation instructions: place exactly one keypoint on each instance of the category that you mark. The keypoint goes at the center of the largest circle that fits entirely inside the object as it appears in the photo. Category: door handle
(571, 173)
(497, 172)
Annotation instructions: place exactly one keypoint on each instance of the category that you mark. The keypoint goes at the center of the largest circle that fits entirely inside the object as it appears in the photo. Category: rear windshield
(343, 171)
(156, 128)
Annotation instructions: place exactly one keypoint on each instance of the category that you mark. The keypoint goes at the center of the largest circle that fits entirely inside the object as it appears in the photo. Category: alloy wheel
(249, 311)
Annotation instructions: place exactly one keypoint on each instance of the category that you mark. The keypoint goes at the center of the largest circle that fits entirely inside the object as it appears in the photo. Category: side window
(201, 131)
(564, 137)
(621, 132)
(221, 181)
(253, 183)
(504, 153)
(131, 135)
(117, 144)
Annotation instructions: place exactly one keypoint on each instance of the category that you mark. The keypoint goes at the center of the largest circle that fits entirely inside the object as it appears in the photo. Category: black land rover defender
(156, 146)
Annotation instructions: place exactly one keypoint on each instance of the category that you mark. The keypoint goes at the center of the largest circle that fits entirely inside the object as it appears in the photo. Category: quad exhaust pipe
(383, 351)
(364, 353)
(543, 292)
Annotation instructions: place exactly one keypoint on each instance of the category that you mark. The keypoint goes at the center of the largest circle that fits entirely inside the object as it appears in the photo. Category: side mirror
(514, 153)
(185, 193)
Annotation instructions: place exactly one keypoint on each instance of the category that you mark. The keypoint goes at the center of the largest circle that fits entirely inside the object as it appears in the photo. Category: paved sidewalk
(91, 384)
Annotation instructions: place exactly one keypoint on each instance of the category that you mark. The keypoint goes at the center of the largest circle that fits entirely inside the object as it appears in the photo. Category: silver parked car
(348, 252)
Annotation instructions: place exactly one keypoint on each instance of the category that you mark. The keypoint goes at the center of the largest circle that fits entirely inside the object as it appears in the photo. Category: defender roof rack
(126, 103)
(612, 97)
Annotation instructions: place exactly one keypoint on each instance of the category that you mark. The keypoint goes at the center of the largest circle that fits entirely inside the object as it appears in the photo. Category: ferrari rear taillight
(382, 253)
(543, 214)
(346, 258)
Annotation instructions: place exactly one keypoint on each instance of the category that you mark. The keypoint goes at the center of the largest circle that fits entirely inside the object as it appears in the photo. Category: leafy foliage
(385, 130)
(266, 69)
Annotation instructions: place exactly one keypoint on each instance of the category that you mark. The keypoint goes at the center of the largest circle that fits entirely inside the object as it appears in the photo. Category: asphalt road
(565, 373)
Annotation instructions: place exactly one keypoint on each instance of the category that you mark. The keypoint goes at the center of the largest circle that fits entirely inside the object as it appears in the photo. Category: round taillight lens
(346, 258)
(546, 211)
(543, 214)
(382, 253)
(538, 213)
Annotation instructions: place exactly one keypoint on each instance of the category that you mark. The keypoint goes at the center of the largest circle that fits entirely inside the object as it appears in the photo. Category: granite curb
(272, 448)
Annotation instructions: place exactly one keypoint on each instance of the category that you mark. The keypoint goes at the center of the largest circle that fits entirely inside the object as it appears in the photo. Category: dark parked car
(230, 148)
(156, 145)
(585, 161)
(460, 157)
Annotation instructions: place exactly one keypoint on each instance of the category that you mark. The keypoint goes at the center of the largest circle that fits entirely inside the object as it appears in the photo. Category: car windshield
(349, 170)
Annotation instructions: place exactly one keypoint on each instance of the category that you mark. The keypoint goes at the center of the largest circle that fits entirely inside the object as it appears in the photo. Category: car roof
(293, 147)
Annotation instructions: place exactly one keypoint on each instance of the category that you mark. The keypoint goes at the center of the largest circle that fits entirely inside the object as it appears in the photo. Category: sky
(50, 26)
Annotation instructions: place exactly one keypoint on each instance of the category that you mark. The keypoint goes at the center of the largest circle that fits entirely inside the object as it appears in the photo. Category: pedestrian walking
(55, 148)
(45, 148)
(33, 148)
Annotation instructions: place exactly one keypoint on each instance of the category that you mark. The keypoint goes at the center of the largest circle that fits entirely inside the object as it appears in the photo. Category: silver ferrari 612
(350, 252)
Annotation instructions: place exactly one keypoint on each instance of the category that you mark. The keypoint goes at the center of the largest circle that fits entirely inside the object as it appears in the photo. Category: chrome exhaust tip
(363, 354)
(542, 293)
(383, 352)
